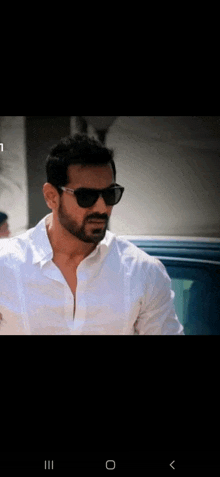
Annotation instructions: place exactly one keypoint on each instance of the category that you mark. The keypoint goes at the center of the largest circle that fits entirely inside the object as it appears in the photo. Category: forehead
(90, 176)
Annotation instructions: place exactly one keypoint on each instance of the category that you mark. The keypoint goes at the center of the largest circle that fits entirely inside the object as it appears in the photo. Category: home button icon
(110, 464)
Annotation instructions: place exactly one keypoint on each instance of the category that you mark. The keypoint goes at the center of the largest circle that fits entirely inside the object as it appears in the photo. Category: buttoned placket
(75, 322)
(50, 270)
(85, 271)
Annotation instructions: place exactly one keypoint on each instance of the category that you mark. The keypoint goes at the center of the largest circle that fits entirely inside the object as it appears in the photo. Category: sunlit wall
(169, 167)
(13, 173)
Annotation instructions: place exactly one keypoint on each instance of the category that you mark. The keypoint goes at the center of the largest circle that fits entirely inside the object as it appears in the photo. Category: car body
(193, 264)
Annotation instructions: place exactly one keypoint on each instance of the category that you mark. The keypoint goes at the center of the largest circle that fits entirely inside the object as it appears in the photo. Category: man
(69, 274)
(4, 229)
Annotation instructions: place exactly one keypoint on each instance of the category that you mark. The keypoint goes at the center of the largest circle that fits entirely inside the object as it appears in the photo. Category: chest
(69, 273)
(71, 279)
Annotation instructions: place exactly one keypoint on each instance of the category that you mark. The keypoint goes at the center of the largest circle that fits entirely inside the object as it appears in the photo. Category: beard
(87, 232)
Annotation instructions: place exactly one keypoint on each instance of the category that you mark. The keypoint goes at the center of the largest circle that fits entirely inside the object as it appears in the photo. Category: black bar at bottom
(119, 462)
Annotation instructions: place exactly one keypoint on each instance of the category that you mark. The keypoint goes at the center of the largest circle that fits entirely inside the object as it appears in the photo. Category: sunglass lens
(85, 198)
(112, 196)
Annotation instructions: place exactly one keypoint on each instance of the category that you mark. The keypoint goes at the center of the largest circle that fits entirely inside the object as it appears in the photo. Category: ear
(51, 195)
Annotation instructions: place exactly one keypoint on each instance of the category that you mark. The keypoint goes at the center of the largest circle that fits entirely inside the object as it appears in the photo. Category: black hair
(3, 218)
(77, 149)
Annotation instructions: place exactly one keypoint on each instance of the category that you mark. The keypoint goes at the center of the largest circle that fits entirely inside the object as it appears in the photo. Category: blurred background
(169, 166)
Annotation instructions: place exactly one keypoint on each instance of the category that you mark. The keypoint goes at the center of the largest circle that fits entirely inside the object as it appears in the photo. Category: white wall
(169, 167)
(13, 173)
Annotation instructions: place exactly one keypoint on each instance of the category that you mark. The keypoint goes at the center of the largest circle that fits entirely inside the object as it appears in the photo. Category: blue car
(193, 265)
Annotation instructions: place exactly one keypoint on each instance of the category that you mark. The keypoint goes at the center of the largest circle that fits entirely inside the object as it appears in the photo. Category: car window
(197, 297)
(181, 288)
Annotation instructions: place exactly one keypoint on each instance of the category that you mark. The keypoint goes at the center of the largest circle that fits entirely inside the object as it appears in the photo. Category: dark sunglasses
(88, 197)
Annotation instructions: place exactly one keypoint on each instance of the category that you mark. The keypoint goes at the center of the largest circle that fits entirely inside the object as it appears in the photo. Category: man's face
(74, 218)
(4, 230)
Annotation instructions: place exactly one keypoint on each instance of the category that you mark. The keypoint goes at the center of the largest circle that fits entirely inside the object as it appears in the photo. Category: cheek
(80, 216)
(72, 211)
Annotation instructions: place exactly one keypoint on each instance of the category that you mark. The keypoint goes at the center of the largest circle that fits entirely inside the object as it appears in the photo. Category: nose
(100, 206)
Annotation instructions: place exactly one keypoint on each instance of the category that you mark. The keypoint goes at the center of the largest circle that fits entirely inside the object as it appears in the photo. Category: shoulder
(14, 248)
(132, 256)
(140, 261)
(129, 249)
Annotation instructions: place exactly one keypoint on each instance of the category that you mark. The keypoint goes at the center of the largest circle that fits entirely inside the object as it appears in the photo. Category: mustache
(100, 217)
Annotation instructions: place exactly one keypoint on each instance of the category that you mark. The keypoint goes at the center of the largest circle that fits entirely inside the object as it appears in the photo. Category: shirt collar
(41, 246)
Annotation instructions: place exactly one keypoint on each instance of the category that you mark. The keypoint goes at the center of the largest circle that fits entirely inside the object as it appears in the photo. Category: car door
(197, 294)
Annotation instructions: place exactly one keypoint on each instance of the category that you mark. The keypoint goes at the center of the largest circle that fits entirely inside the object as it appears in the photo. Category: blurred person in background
(4, 227)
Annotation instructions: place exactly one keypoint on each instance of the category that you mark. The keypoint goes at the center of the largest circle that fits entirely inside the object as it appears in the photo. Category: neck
(65, 246)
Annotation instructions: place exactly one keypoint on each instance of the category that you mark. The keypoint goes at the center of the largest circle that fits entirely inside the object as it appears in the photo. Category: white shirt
(121, 290)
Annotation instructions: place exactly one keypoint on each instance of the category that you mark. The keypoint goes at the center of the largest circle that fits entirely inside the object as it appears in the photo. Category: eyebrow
(92, 188)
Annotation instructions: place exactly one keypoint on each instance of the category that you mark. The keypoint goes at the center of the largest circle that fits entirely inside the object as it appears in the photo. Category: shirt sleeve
(157, 315)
